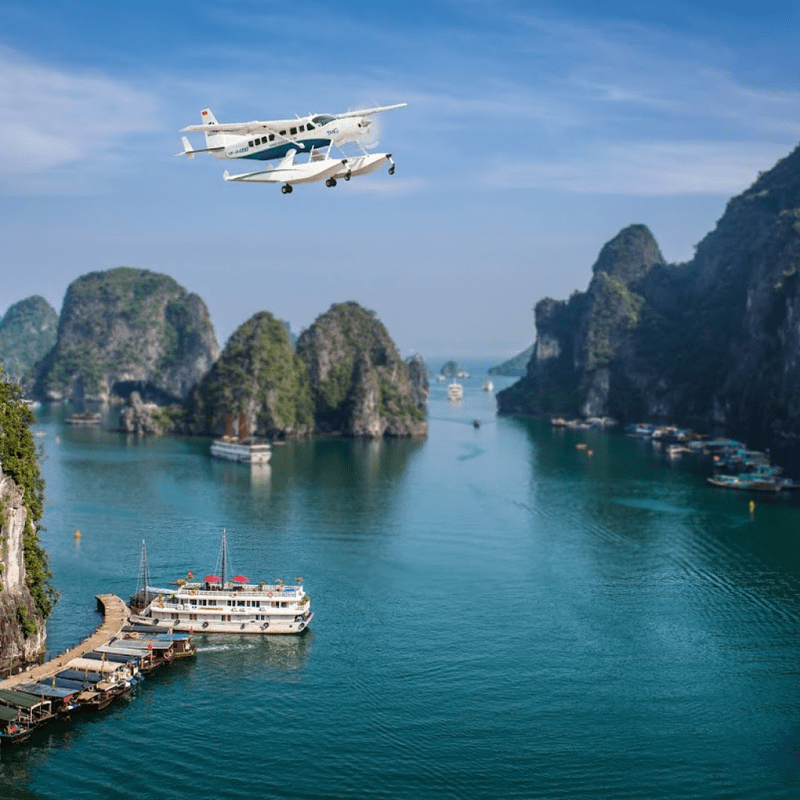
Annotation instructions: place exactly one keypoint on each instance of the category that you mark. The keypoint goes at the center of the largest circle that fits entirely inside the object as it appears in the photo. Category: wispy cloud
(53, 118)
(644, 169)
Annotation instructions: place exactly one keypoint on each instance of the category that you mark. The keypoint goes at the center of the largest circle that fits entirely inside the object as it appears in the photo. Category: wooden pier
(115, 618)
(103, 667)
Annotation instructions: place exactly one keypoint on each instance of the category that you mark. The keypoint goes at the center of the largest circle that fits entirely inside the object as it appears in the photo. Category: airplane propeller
(372, 133)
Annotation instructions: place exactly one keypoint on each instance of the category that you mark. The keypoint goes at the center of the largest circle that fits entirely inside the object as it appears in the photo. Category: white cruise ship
(240, 445)
(248, 451)
(218, 604)
(455, 391)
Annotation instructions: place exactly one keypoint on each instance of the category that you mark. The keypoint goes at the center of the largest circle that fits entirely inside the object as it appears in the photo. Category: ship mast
(223, 560)
(144, 578)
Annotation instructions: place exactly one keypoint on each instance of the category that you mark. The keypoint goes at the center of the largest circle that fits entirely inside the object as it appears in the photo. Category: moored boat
(13, 729)
(218, 604)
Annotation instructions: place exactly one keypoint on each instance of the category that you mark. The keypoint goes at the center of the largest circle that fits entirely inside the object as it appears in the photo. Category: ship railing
(263, 608)
(285, 592)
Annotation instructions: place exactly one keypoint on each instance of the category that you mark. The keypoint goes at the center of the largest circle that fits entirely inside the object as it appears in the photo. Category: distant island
(28, 332)
(515, 366)
(137, 337)
(714, 341)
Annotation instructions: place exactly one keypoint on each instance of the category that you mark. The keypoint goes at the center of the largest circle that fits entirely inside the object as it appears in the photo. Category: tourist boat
(63, 700)
(240, 445)
(84, 418)
(455, 391)
(13, 729)
(247, 451)
(488, 386)
(218, 604)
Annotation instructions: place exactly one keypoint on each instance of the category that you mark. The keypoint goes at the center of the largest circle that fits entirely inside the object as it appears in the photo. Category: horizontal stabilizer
(189, 151)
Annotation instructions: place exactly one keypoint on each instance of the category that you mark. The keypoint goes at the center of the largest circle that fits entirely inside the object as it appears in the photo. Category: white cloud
(53, 118)
(644, 169)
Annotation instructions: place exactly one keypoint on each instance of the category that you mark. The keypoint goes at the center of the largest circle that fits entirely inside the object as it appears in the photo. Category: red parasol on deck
(240, 579)
(212, 579)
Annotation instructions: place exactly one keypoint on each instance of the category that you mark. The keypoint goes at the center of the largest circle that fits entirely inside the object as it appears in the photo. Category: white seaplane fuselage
(291, 140)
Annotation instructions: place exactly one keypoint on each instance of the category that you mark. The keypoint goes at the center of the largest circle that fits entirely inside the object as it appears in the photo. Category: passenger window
(310, 126)
(293, 131)
(272, 137)
(302, 128)
(282, 133)
(249, 144)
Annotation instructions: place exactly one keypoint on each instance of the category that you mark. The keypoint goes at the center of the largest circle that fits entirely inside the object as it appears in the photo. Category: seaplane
(313, 136)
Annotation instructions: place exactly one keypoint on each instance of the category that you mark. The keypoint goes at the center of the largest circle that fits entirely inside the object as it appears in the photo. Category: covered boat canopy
(141, 628)
(46, 690)
(145, 644)
(10, 697)
(77, 676)
(116, 653)
(103, 667)
(8, 714)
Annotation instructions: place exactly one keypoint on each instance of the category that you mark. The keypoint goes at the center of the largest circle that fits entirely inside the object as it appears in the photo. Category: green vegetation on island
(128, 329)
(18, 461)
(27, 334)
(259, 375)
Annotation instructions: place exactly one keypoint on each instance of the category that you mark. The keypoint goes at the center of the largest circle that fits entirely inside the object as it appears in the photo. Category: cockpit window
(323, 119)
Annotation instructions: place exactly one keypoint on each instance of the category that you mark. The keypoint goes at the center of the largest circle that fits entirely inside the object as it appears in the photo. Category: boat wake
(217, 648)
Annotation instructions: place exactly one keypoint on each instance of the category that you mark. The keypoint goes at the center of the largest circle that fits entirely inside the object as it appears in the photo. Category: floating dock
(114, 620)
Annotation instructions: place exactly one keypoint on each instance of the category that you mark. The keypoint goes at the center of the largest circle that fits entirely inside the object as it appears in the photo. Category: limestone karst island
(711, 345)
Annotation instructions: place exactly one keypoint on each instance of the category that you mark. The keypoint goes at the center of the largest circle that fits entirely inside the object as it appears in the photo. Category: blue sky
(534, 132)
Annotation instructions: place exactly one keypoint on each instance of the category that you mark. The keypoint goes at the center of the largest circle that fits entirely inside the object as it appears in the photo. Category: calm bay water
(498, 614)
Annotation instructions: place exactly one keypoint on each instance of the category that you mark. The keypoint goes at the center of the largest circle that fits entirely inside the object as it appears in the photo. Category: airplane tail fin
(188, 150)
(213, 139)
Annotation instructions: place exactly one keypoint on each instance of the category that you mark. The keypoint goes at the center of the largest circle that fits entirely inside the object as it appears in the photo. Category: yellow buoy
(77, 535)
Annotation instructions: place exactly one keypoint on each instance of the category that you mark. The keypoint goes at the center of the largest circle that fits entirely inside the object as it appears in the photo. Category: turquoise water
(498, 614)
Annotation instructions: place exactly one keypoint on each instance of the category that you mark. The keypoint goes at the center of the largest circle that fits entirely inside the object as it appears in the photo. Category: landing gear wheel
(330, 182)
(391, 170)
(348, 175)
(286, 188)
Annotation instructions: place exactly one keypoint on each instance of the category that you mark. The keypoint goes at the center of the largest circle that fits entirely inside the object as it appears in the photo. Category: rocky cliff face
(420, 388)
(715, 340)
(360, 385)
(26, 596)
(22, 630)
(27, 334)
(127, 329)
(260, 375)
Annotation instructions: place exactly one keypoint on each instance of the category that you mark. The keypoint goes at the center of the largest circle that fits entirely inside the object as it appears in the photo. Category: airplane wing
(365, 111)
(255, 126)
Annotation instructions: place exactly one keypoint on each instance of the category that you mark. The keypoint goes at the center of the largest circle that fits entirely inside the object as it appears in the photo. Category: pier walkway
(115, 617)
